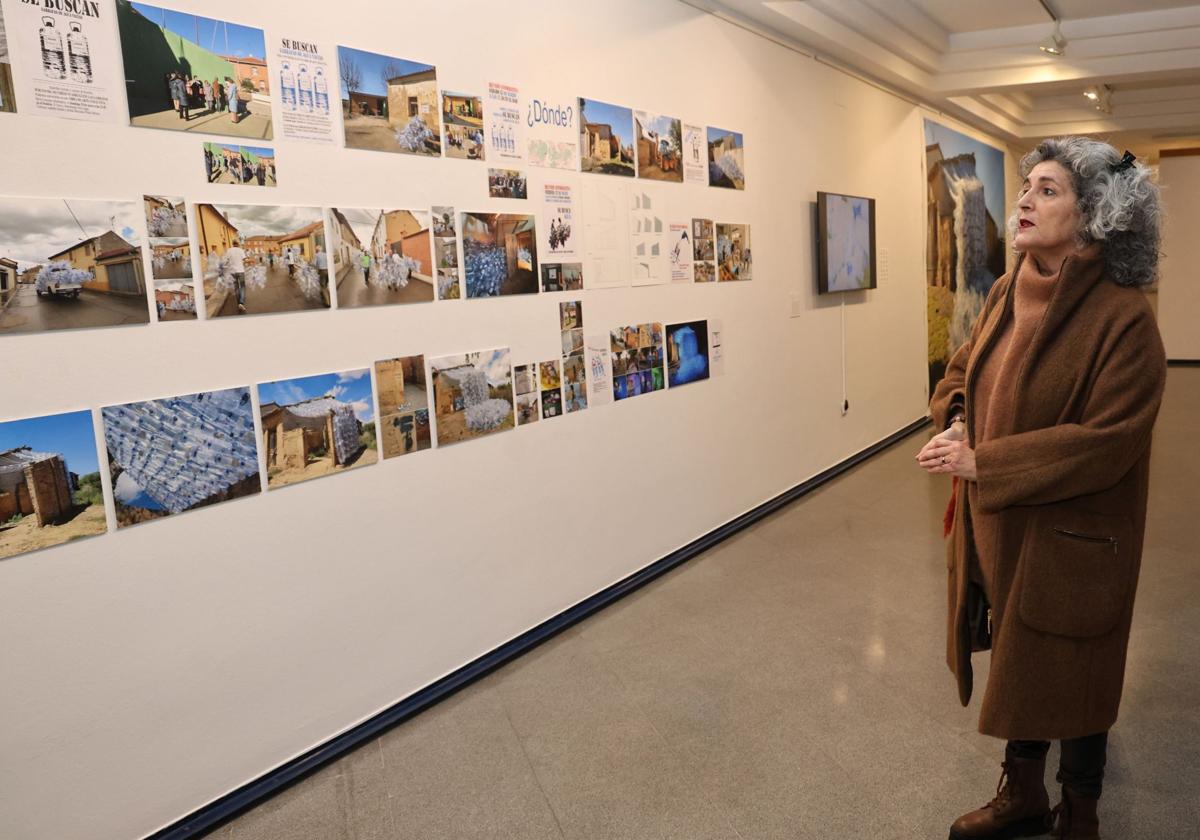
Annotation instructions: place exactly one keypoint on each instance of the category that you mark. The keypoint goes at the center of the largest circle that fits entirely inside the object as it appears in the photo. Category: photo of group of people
(389, 104)
(472, 395)
(170, 257)
(733, 252)
(445, 254)
(175, 454)
(687, 352)
(462, 121)
(704, 251)
(525, 382)
(500, 254)
(261, 259)
(637, 360)
(50, 491)
(185, 72)
(507, 183)
(403, 406)
(225, 163)
(314, 426)
(381, 256)
(67, 263)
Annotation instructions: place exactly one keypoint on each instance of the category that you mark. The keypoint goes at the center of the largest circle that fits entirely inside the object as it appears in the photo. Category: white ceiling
(979, 60)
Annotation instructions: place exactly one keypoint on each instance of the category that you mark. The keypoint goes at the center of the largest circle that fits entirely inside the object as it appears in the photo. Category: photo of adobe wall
(389, 104)
(403, 405)
(472, 395)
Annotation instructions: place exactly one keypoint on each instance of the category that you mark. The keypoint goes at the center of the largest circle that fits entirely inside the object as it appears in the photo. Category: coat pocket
(1077, 574)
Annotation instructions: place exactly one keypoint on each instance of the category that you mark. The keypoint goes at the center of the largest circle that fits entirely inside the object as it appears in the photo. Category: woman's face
(1048, 219)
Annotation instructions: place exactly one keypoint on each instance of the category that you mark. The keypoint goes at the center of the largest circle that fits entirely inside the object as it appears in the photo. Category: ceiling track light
(1056, 44)
(1100, 97)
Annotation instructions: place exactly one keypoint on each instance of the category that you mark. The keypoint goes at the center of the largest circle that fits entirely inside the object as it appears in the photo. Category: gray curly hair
(1120, 210)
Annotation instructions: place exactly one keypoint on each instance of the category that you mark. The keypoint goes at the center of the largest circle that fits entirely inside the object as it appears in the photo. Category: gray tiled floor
(788, 684)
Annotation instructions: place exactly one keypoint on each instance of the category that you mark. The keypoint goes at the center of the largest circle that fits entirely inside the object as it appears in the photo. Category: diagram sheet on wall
(606, 233)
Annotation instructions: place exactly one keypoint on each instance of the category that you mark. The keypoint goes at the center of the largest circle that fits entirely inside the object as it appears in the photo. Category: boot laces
(1003, 791)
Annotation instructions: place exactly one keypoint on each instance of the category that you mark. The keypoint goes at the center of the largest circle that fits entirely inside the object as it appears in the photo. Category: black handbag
(979, 617)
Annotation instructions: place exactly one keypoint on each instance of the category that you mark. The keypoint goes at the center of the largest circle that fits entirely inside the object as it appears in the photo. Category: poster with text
(605, 210)
(695, 167)
(67, 59)
(503, 114)
(560, 236)
(552, 132)
(598, 357)
(186, 72)
(679, 252)
(303, 71)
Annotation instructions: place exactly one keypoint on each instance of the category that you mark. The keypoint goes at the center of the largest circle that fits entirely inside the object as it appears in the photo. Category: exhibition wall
(1178, 292)
(151, 670)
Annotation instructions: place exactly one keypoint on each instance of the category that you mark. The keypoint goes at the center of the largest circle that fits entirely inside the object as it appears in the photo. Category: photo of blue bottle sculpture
(687, 352)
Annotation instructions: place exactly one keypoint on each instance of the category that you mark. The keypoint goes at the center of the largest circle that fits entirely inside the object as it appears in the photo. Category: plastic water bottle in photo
(80, 55)
(287, 87)
(304, 89)
(321, 91)
(53, 59)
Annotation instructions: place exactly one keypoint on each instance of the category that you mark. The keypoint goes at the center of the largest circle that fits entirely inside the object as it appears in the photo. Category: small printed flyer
(303, 74)
(559, 237)
(504, 121)
(68, 58)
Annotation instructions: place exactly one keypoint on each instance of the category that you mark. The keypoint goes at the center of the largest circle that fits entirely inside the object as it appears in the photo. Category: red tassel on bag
(948, 519)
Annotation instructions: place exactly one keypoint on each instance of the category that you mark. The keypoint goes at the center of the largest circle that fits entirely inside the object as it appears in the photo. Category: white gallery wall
(149, 671)
(1178, 291)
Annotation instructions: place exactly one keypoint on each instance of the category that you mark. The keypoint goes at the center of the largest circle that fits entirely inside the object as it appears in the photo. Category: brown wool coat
(1065, 484)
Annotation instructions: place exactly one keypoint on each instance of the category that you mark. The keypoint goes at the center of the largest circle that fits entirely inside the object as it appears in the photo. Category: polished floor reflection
(788, 684)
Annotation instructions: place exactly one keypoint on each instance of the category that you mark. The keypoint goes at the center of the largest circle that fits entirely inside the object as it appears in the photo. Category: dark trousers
(1081, 765)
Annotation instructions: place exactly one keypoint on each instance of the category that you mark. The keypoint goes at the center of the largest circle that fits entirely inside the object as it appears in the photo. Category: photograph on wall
(550, 379)
(389, 104)
(50, 491)
(733, 252)
(647, 239)
(605, 138)
(260, 259)
(313, 426)
(552, 134)
(695, 155)
(462, 122)
(170, 257)
(228, 163)
(503, 115)
(570, 315)
(597, 356)
(605, 212)
(704, 251)
(726, 159)
(525, 382)
(562, 277)
(659, 146)
(185, 72)
(171, 455)
(66, 60)
(8, 96)
(507, 183)
(679, 252)
(965, 231)
(403, 405)
(560, 242)
(381, 257)
(572, 342)
(499, 254)
(445, 253)
(304, 77)
(472, 395)
(845, 243)
(67, 264)
(574, 383)
(637, 360)
(687, 352)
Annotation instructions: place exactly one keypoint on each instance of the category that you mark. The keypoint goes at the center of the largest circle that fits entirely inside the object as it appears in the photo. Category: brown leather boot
(1075, 817)
(1021, 807)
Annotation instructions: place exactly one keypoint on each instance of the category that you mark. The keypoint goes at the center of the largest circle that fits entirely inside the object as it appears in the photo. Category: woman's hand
(948, 453)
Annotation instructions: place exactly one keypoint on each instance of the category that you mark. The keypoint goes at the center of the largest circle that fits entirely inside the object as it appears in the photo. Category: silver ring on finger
(943, 459)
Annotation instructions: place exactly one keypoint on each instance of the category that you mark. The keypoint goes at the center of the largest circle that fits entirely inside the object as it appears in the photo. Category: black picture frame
(823, 240)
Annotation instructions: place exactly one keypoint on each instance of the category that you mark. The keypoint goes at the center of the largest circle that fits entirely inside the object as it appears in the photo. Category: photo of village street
(170, 257)
(381, 257)
(70, 264)
(389, 104)
(50, 490)
(185, 72)
(260, 259)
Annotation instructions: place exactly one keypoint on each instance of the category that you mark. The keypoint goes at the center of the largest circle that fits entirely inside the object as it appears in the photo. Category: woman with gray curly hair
(1046, 414)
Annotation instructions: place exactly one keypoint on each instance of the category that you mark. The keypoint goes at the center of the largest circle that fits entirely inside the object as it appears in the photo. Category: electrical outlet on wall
(883, 265)
(796, 305)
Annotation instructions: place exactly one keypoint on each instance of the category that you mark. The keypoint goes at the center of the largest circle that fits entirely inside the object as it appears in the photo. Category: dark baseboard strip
(222, 810)
(1183, 362)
